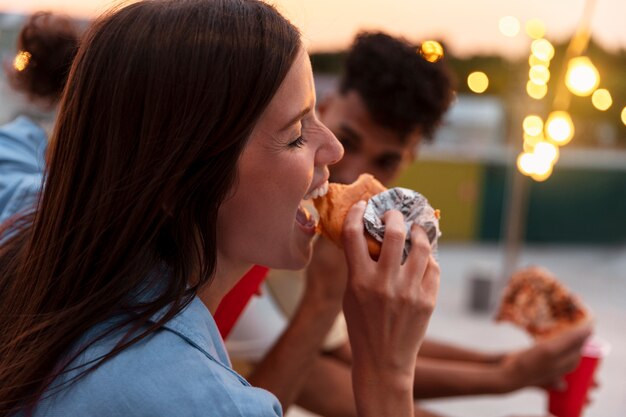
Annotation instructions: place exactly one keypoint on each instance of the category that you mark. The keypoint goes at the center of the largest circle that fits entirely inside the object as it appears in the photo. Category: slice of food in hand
(536, 301)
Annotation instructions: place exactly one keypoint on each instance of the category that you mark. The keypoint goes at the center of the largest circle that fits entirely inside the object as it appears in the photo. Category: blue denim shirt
(22, 149)
(182, 370)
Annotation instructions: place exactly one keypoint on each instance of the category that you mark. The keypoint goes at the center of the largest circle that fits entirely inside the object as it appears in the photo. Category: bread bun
(334, 206)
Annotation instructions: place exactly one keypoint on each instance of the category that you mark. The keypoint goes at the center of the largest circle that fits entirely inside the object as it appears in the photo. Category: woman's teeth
(304, 217)
(318, 192)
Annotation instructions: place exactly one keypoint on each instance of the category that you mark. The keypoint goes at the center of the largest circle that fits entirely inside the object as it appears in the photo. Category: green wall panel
(455, 189)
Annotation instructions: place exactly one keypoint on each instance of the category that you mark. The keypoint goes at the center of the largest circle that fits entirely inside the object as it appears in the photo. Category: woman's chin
(298, 257)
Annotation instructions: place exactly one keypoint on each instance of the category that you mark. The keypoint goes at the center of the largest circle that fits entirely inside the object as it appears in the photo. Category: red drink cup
(571, 401)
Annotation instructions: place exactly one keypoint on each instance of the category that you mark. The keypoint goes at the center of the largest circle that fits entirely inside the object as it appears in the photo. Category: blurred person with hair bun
(46, 46)
(51, 42)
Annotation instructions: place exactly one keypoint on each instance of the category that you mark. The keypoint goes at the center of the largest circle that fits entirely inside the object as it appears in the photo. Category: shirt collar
(196, 325)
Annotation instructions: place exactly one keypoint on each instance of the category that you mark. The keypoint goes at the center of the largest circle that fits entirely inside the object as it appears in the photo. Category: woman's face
(285, 161)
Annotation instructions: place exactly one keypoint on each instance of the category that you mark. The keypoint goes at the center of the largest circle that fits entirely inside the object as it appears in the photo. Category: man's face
(369, 147)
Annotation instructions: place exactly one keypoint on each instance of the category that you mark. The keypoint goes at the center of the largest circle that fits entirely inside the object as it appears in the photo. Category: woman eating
(185, 143)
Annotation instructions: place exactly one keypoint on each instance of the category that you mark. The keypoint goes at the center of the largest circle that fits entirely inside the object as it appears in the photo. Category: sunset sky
(467, 26)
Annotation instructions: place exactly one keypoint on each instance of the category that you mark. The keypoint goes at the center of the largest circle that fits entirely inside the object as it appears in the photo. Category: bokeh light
(582, 77)
(533, 60)
(527, 147)
(546, 151)
(539, 74)
(602, 99)
(533, 140)
(534, 165)
(624, 115)
(432, 51)
(559, 127)
(542, 166)
(478, 82)
(526, 163)
(509, 26)
(21, 60)
(542, 49)
(533, 125)
(542, 175)
(536, 91)
(535, 28)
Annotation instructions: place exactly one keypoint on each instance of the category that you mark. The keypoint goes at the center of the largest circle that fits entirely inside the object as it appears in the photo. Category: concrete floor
(596, 274)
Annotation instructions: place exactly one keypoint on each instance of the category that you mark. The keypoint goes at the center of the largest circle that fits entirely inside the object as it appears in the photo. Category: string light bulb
(432, 51)
(478, 82)
(559, 128)
(582, 77)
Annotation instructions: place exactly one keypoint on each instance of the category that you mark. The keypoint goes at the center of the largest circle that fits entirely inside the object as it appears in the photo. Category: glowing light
(602, 99)
(526, 163)
(21, 60)
(539, 74)
(536, 91)
(582, 77)
(542, 175)
(542, 167)
(533, 60)
(535, 29)
(533, 140)
(432, 51)
(546, 152)
(509, 26)
(478, 82)
(542, 49)
(533, 165)
(533, 125)
(624, 115)
(527, 147)
(559, 127)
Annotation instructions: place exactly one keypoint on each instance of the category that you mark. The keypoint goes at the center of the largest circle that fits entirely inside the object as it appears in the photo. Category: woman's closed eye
(298, 142)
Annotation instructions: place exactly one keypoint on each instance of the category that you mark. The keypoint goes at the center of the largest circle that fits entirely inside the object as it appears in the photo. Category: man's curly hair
(401, 90)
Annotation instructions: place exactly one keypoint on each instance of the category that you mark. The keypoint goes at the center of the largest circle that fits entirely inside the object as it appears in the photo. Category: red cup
(571, 401)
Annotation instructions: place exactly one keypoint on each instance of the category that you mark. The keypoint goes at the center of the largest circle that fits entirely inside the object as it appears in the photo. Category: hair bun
(48, 44)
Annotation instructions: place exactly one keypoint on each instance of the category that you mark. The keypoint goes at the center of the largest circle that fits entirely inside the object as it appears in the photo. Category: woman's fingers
(430, 282)
(419, 255)
(353, 238)
(393, 240)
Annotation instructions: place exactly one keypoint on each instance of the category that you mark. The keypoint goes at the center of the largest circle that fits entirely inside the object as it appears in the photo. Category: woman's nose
(331, 150)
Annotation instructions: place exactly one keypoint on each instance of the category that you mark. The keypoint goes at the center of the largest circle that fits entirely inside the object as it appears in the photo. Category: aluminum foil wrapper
(413, 206)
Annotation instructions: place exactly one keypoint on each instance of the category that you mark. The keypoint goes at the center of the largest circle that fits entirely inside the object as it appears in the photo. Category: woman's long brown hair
(159, 104)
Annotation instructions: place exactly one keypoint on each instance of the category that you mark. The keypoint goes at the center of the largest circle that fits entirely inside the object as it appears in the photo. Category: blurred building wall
(466, 172)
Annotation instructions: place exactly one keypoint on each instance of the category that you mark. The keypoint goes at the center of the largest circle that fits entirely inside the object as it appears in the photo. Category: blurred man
(389, 100)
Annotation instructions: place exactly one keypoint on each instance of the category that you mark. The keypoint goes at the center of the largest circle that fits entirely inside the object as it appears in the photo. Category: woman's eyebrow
(294, 119)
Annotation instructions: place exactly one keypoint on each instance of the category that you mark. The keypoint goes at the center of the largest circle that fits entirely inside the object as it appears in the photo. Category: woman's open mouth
(306, 216)
(305, 219)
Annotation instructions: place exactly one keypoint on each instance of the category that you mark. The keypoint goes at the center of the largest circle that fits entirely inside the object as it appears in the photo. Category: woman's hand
(387, 307)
